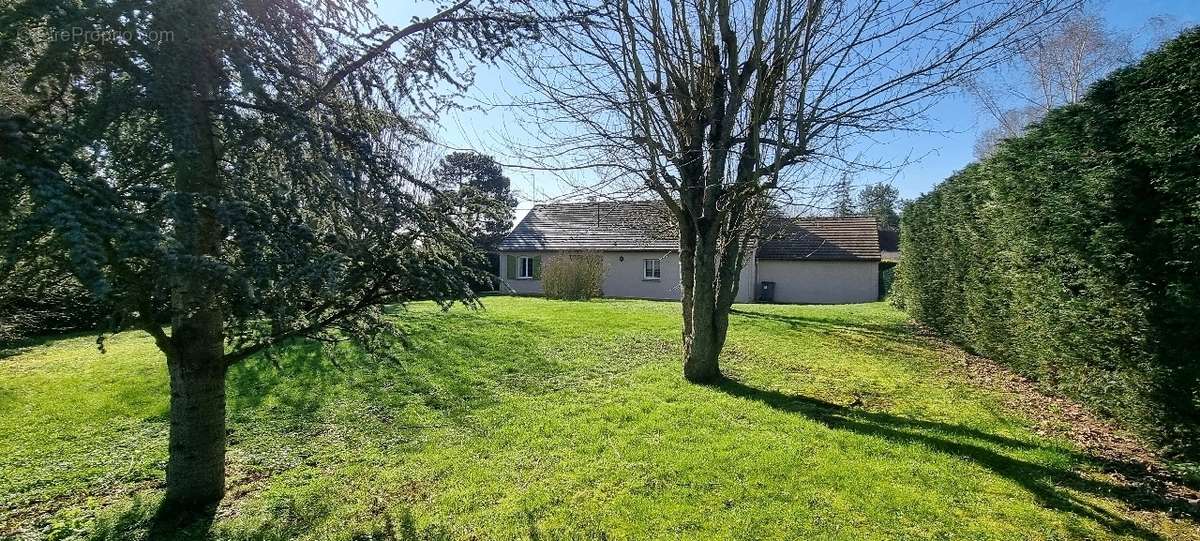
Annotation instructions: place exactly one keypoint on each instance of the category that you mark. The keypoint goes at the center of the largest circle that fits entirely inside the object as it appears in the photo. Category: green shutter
(510, 264)
(537, 267)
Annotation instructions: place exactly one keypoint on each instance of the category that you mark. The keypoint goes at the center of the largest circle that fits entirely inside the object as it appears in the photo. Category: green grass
(546, 419)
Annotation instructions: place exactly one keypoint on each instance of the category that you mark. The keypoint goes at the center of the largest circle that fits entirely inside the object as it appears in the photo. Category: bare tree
(1056, 70)
(1009, 123)
(720, 106)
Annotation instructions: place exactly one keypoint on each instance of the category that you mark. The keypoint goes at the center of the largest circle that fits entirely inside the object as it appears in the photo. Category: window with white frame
(651, 269)
(525, 267)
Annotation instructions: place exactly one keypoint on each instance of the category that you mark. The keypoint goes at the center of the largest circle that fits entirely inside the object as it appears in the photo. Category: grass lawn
(548, 419)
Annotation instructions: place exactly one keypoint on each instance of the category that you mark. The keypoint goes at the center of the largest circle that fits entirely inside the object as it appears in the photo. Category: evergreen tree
(843, 199)
(230, 166)
(485, 198)
(880, 200)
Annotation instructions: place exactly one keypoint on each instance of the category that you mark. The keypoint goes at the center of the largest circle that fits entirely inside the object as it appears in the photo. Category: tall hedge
(1073, 253)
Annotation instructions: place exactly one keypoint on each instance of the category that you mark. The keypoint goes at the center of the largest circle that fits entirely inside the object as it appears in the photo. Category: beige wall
(623, 276)
(821, 282)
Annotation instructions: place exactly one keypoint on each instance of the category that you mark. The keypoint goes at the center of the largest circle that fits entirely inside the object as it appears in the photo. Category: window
(525, 267)
(651, 269)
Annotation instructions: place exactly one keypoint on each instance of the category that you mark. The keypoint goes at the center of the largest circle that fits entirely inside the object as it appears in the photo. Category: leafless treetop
(757, 96)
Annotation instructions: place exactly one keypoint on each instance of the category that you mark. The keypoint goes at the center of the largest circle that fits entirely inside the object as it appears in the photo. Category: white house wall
(623, 276)
(821, 282)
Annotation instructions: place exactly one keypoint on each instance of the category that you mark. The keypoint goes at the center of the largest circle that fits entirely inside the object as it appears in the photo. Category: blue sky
(955, 122)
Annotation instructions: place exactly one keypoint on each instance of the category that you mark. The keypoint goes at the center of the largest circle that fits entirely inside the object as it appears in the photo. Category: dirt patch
(1121, 456)
(32, 516)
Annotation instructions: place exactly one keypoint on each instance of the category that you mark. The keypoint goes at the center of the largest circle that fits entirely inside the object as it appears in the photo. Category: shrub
(37, 301)
(887, 279)
(573, 276)
(1073, 253)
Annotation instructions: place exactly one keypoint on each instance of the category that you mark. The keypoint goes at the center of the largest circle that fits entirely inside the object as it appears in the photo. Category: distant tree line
(1054, 72)
(1072, 252)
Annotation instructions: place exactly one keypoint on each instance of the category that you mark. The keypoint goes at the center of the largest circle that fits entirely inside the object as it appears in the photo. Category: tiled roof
(646, 225)
(821, 239)
(624, 225)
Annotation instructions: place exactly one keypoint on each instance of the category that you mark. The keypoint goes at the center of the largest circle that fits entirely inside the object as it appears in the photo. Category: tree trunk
(196, 361)
(196, 463)
(703, 338)
(187, 83)
(702, 350)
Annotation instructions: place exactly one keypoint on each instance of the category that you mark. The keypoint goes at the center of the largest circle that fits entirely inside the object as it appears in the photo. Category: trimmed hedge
(1073, 253)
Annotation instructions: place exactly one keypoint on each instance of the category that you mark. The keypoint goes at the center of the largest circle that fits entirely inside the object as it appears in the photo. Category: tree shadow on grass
(1045, 483)
(884, 338)
(156, 522)
(900, 332)
(444, 369)
(298, 377)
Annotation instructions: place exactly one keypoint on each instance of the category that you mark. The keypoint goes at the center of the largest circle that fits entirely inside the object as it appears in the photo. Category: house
(807, 260)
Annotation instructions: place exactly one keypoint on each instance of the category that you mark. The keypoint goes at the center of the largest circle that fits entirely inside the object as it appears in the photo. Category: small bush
(574, 276)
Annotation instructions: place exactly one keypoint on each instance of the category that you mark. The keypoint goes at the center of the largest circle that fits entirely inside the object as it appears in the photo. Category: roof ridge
(630, 224)
(608, 201)
(829, 218)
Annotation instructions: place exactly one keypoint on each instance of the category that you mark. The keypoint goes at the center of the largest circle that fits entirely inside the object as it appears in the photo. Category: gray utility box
(766, 292)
